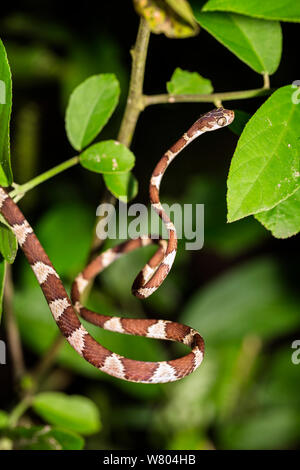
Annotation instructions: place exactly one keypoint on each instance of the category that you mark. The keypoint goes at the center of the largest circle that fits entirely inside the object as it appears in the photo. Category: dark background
(96, 37)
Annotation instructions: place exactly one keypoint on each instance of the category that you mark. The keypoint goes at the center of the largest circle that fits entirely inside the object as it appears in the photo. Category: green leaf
(3, 419)
(124, 186)
(71, 226)
(184, 82)
(45, 438)
(8, 242)
(72, 412)
(284, 219)
(91, 105)
(109, 156)
(256, 42)
(282, 10)
(240, 120)
(265, 167)
(248, 300)
(6, 177)
(174, 18)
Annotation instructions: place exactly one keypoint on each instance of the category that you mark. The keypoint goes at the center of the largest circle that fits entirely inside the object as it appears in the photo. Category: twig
(210, 98)
(135, 103)
(21, 189)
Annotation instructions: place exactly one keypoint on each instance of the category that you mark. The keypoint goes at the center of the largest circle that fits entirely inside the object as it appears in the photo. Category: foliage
(239, 292)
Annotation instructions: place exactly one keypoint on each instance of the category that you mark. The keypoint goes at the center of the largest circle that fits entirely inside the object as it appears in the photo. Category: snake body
(66, 312)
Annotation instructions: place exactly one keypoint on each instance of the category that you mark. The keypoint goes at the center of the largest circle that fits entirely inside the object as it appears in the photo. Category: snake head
(223, 117)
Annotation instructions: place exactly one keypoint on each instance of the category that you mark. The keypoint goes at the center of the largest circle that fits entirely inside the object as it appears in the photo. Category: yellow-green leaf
(185, 83)
(174, 19)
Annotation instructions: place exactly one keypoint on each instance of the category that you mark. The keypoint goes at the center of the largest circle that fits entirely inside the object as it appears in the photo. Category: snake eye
(222, 121)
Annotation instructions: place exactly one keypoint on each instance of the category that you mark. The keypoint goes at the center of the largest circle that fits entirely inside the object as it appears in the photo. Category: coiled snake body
(65, 311)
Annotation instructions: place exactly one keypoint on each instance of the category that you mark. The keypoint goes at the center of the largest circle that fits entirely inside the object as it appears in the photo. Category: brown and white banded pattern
(65, 311)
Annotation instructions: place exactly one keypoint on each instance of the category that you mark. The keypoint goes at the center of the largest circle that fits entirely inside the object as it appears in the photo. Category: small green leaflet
(73, 412)
(184, 82)
(256, 42)
(282, 10)
(91, 105)
(109, 156)
(6, 177)
(124, 186)
(265, 166)
(174, 18)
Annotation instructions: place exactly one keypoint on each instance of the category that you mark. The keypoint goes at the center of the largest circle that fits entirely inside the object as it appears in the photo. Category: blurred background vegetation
(241, 291)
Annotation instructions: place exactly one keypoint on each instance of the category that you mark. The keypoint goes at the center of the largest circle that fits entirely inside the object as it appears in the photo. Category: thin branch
(21, 189)
(135, 104)
(13, 335)
(211, 98)
(266, 81)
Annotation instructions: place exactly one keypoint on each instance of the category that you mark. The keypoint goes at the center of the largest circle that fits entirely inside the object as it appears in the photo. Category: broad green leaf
(6, 177)
(45, 438)
(284, 219)
(3, 419)
(240, 120)
(282, 10)
(124, 185)
(8, 242)
(91, 105)
(256, 42)
(248, 300)
(174, 18)
(2, 283)
(72, 412)
(71, 227)
(109, 156)
(265, 167)
(184, 82)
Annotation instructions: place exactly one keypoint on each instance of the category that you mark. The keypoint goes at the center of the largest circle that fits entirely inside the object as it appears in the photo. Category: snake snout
(229, 113)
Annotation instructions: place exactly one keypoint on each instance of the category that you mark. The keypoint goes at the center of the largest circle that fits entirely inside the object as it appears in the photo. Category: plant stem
(135, 103)
(13, 334)
(211, 98)
(23, 188)
(266, 81)
(19, 410)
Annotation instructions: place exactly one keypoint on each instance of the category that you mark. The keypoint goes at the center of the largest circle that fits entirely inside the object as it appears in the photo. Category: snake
(67, 311)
